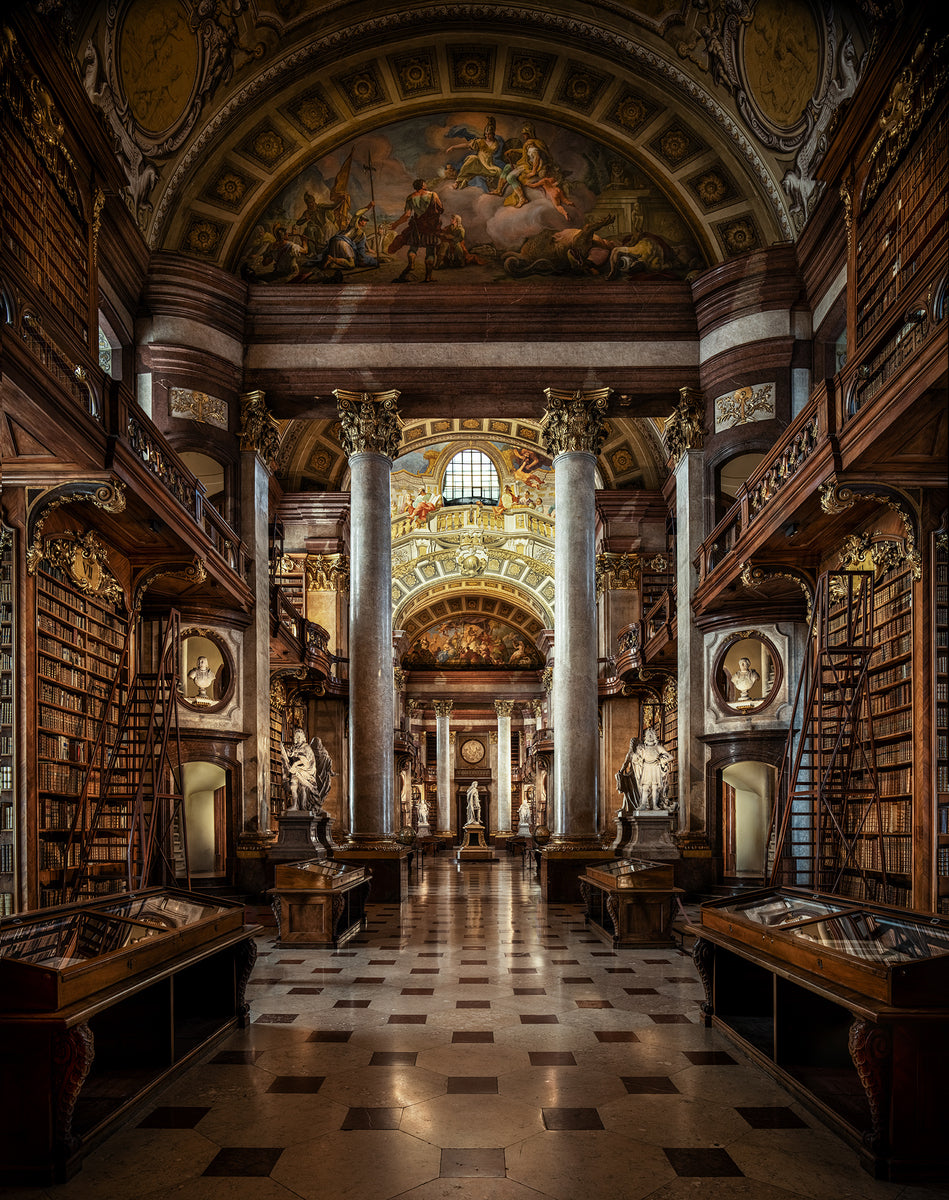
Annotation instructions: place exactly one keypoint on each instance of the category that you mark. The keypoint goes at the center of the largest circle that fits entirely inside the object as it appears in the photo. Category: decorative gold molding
(836, 497)
(98, 204)
(744, 405)
(617, 572)
(198, 406)
(369, 422)
(685, 429)
(443, 707)
(751, 576)
(574, 421)
(83, 559)
(110, 497)
(547, 679)
(399, 678)
(670, 696)
(194, 572)
(504, 708)
(326, 572)
(259, 431)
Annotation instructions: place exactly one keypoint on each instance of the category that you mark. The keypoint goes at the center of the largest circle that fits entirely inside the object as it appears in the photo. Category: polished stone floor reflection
(479, 1045)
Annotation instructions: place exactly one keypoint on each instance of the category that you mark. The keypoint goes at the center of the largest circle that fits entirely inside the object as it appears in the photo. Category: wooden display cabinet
(101, 1003)
(845, 1003)
(629, 901)
(319, 904)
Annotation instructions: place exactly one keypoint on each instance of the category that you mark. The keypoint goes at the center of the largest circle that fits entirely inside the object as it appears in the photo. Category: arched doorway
(206, 788)
(747, 798)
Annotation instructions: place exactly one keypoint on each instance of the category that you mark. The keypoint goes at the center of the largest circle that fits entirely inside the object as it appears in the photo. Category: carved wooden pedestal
(629, 902)
(319, 905)
(476, 850)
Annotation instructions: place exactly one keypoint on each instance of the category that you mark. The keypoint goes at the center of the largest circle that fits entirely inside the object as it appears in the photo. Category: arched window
(469, 477)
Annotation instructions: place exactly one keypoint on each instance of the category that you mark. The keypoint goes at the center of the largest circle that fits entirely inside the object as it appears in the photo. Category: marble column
(503, 817)
(443, 757)
(573, 432)
(685, 439)
(370, 433)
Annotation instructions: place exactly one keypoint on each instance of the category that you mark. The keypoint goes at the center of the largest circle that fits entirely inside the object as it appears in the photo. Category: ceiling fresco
(490, 196)
(714, 116)
(472, 642)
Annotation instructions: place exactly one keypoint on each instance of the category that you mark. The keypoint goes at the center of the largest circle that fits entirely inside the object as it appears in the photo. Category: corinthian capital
(574, 421)
(369, 422)
(259, 431)
(685, 429)
(503, 707)
(443, 707)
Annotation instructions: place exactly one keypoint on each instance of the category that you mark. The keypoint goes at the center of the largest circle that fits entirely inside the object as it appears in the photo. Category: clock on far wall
(472, 751)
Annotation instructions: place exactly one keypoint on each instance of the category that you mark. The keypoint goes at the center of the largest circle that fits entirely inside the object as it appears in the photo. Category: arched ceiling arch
(216, 110)
(311, 456)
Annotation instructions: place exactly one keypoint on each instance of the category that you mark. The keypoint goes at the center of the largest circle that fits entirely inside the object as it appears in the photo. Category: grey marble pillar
(573, 433)
(685, 439)
(370, 434)
(503, 817)
(443, 752)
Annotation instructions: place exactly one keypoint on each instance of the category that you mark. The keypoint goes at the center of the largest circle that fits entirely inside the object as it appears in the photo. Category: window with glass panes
(469, 477)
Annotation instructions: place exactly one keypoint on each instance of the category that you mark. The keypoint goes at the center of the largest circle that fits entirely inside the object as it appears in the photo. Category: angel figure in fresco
(485, 162)
(523, 463)
(531, 165)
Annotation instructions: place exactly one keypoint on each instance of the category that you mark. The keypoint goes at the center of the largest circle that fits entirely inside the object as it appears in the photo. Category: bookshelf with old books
(941, 720)
(81, 669)
(8, 773)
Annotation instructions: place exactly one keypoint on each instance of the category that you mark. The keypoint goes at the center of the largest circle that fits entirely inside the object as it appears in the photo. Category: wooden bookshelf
(941, 721)
(903, 231)
(8, 772)
(79, 642)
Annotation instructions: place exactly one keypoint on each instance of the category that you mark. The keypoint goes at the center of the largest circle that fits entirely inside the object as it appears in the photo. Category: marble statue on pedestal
(474, 804)
(642, 780)
(307, 769)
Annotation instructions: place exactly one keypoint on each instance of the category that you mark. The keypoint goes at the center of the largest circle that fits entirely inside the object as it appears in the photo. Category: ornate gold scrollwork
(326, 572)
(617, 572)
(193, 572)
(259, 431)
(84, 560)
(751, 576)
(110, 497)
(685, 429)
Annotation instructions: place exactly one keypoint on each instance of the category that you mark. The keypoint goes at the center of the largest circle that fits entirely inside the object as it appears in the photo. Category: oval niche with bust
(747, 672)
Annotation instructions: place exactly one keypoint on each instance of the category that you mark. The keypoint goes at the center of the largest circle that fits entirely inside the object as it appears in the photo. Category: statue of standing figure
(642, 779)
(474, 804)
(307, 771)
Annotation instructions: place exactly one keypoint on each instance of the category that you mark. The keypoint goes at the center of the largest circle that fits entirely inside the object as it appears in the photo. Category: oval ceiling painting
(469, 196)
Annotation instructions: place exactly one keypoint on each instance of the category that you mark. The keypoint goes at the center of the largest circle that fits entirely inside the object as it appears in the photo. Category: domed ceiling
(672, 135)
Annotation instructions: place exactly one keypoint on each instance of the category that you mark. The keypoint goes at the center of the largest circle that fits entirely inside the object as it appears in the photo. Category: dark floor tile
(472, 1004)
(682, 979)
(649, 1085)
(571, 1118)
(576, 979)
(417, 992)
(552, 1058)
(263, 982)
(657, 961)
(370, 979)
(530, 991)
(641, 991)
(352, 1003)
(709, 1058)
(465, 1035)
(701, 1161)
(472, 1085)
(296, 1084)
(382, 962)
(173, 1117)
(669, 1018)
(275, 1018)
(474, 962)
(545, 1019)
(615, 1035)
(424, 970)
(619, 970)
(605, 954)
(289, 962)
(327, 971)
(430, 954)
(480, 1163)
(372, 1118)
(393, 1058)
(244, 1161)
(593, 1004)
(478, 979)
(776, 1117)
(330, 1035)
(236, 1057)
(407, 1019)
(305, 991)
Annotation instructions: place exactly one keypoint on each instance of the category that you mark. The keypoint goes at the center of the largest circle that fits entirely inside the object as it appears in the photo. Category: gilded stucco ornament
(617, 572)
(369, 422)
(191, 573)
(443, 707)
(84, 560)
(752, 575)
(685, 429)
(278, 695)
(744, 405)
(326, 572)
(259, 431)
(110, 497)
(198, 406)
(574, 421)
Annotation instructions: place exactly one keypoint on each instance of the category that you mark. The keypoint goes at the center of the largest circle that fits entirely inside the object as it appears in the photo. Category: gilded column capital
(369, 422)
(259, 431)
(574, 421)
(326, 572)
(504, 708)
(443, 707)
(685, 429)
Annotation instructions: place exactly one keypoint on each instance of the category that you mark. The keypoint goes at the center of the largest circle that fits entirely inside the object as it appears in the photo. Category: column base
(562, 864)
(389, 864)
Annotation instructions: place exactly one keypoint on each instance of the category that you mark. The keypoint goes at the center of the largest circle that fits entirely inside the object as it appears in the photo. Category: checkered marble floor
(477, 1044)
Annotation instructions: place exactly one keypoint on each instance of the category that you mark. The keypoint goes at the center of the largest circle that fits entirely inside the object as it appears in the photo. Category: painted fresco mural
(472, 196)
(472, 642)
(526, 480)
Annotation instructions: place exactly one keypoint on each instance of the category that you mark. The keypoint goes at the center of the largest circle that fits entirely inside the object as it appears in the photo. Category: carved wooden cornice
(574, 421)
(369, 422)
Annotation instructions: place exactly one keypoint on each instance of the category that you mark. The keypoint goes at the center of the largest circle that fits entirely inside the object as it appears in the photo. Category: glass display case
(58, 956)
(319, 903)
(629, 901)
(317, 873)
(893, 955)
(633, 873)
